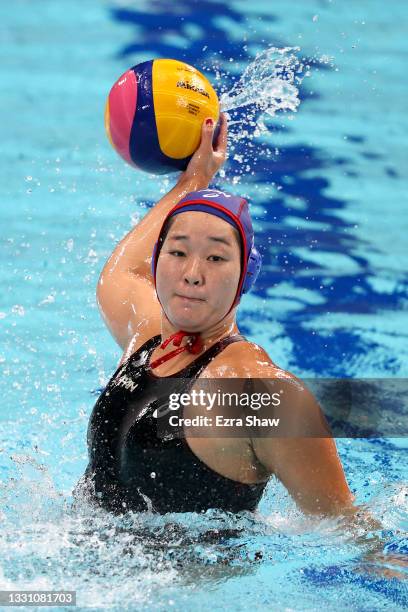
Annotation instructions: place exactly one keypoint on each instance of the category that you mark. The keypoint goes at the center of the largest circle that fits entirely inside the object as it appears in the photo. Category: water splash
(270, 84)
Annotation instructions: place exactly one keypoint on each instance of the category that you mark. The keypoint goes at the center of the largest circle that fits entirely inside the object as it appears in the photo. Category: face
(200, 259)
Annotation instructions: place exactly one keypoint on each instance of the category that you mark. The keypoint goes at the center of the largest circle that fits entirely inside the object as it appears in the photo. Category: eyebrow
(214, 238)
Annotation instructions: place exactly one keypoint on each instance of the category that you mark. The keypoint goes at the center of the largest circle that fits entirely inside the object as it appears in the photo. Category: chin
(186, 322)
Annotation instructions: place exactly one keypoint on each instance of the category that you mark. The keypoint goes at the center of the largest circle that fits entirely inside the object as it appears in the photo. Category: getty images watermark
(204, 413)
(221, 400)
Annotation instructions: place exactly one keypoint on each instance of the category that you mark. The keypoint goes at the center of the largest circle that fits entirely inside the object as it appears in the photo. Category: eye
(218, 257)
(177, 253)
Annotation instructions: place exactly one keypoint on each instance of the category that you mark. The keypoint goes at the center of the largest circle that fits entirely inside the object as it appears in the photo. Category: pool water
(329, 205)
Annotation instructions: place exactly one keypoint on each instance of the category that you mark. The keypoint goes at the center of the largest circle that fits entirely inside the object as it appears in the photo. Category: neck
(197, 341)
(208, 335)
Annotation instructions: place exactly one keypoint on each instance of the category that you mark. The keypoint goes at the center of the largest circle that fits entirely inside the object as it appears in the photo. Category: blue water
(329, 207)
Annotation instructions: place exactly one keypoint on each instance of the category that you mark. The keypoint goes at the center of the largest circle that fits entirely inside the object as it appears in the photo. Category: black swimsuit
(131, 468)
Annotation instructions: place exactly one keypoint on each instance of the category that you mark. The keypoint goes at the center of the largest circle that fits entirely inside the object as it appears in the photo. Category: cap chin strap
(194, 345)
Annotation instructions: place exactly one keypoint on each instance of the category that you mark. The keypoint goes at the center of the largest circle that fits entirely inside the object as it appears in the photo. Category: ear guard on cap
(253, 269)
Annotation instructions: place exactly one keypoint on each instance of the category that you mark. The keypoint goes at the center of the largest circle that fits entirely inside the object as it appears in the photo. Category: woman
(169, 295)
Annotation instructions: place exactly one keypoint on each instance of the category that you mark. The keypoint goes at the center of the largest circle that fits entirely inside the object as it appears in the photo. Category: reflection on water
(325, 187)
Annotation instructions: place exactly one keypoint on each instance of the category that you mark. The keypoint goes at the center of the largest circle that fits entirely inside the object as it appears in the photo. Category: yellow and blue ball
(154, 114)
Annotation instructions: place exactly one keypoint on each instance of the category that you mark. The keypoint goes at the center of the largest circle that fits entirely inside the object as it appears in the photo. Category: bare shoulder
(249, 360)
(244, 360)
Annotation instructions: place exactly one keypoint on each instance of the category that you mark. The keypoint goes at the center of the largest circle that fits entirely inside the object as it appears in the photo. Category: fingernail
(209, 122)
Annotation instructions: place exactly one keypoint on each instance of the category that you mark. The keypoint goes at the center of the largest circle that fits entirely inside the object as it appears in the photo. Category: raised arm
(125, 292)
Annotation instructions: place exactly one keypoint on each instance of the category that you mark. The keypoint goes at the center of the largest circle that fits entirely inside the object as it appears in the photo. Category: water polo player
(169, 295)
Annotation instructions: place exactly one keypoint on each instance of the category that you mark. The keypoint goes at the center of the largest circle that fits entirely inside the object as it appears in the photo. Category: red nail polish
(209, 122)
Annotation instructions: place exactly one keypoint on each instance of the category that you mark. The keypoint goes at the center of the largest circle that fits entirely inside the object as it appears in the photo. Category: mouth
(185, 298)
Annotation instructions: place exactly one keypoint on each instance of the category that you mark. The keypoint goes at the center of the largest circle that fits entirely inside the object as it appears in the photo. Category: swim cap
(232, 209)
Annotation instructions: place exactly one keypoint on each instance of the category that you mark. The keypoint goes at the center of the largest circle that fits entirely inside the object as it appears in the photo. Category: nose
(192, 272)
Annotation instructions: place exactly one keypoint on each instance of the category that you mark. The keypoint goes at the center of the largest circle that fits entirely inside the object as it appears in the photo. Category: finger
(207, 130)
(221, 144)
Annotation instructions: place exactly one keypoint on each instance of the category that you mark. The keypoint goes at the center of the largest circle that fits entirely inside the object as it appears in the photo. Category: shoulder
(244, 360)
(249, 360)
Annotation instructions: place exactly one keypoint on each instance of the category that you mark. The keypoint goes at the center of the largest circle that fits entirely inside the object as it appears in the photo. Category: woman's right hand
(208, 159)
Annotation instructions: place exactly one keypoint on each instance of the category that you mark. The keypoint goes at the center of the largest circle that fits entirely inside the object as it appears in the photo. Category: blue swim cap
(232, 209)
